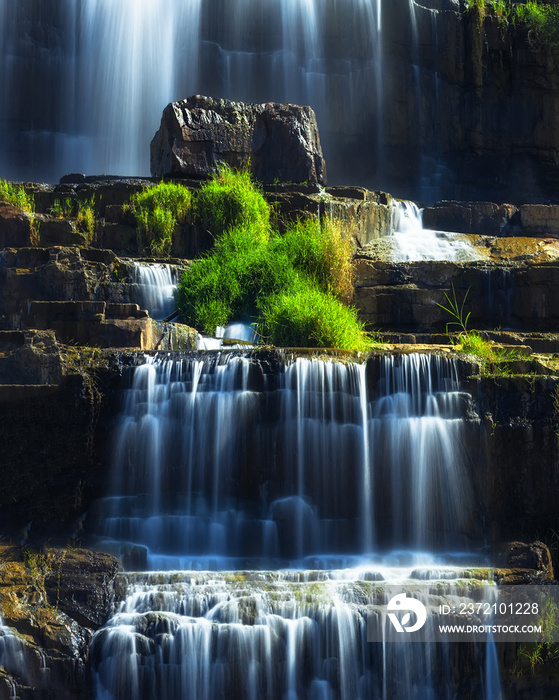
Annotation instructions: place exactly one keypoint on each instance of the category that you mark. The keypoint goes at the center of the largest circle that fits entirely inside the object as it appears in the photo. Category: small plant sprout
(456, 310)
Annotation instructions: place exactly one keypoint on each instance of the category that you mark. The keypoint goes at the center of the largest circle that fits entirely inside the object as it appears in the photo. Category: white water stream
(411, 242)
(345, 473)
(218, 460)
(287, 634)
(112, 66)
(155, 285)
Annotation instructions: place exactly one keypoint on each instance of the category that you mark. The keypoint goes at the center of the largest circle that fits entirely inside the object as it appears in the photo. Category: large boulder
(278, 142)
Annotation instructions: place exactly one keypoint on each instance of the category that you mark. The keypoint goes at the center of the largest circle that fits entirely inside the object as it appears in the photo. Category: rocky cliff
(428, 102)
(71, 327)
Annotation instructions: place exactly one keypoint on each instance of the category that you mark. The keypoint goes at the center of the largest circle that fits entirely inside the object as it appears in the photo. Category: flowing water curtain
(281, 635)
(20, 661)
(418, 434)
(112, 67)
(155, 288)
(135, 57)
(220, 458)
(410, 241)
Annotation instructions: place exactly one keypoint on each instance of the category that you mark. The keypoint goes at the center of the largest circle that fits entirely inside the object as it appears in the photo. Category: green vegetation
(231, 199)
(501, 8)
(82, 211)
(456, 310)
(476, 6)
(310, 317)
(16, 195)
(294, 284)
(39, 569)
(493, 358)
(541, 19)
(85, 218)
(544, 650)
(321, 252)
(62, 209)
(158, 210)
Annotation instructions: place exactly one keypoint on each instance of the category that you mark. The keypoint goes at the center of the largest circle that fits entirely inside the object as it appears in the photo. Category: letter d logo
(401, 603)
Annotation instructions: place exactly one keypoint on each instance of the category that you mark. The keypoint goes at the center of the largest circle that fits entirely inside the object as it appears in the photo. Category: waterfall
(155, 288)
(19, 660)
(290, 635)
(111, 68)
(230, 467)
(412, 242)
(221, 460)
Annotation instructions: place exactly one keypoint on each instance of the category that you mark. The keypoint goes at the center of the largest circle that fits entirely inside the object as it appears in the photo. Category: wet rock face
(277, 141)
(486, 218)
(15, 226)
(51, 603)
(407, 295)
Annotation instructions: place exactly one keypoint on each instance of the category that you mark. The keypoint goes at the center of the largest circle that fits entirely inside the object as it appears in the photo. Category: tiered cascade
(221, 459)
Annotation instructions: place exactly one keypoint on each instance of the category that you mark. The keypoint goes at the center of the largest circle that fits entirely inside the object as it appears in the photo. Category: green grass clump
(501, 8)
(82, 211)
(62, 209)
(309, 317)
(474, 344)
(85, 218)
(494, 360)
(230, 199)
(158, 210)
(293, 285)
(229, 283)
(248, 277)
(17, 196)
(476, 6)
(319, 250)
(541, 20)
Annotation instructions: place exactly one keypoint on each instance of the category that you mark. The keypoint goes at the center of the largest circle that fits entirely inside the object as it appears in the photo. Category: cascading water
(155, 288)
(111, 68)
(412, 242)
(19, 660)
(231, 461)
(218, 462)
(285, 634)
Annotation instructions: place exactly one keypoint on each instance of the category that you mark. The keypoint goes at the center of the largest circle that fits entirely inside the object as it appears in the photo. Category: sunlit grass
(158, 210)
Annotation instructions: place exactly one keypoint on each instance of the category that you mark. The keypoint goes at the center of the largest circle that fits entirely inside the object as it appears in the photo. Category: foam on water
(412, 242)
(280, 635)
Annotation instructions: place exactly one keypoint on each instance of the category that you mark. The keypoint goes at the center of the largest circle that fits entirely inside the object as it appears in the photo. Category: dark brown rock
(277, 141)
(522, 555)
(483, 218)
(406, 296)
(50, 604)
(93, 323)
(15, 226)
(63, 232)
(539, 220)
